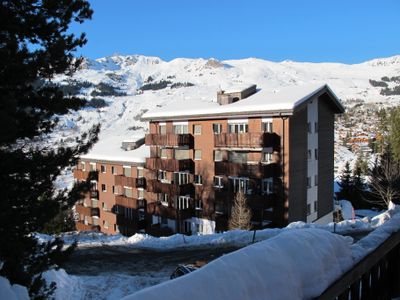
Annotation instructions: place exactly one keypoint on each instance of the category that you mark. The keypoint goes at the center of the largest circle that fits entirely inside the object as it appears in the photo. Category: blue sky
(348, 31)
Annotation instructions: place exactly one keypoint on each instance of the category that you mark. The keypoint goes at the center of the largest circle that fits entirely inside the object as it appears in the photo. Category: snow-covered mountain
(143, 83)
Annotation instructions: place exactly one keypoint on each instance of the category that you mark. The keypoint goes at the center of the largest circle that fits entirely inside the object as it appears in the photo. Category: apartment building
(116, 202)
(276, 146)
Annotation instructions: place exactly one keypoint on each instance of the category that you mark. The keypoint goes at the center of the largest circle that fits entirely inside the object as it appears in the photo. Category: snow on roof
(288, 266)
(109, 149)
(265, 102)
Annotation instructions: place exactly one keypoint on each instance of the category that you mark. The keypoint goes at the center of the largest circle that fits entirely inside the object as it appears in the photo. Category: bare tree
(385, 181)
(241, 213)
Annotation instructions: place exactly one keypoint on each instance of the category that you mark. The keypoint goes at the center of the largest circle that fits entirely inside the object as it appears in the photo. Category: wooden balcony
(130, 202)
(258, 170)
(129, 181)
(169, 139)
(84, 175)
(172, 165)
(80, 226)
(87, 211)
(155, 186)
(255, 201)
(246, 140)
(169, 212)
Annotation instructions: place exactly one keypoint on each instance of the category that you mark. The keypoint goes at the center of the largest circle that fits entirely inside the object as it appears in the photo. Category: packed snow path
(114, 259)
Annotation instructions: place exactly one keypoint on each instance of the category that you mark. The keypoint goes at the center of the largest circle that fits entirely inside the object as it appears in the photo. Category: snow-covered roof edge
(285, 109)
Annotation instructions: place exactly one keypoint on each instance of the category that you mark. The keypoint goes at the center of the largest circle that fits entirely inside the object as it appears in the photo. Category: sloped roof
(265, 102)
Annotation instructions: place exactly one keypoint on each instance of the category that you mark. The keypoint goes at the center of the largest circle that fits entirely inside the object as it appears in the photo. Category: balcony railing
(169, 212)
(156, 186)
(87, 211)
(130, 202)
(258, 170)
(246, 140)
(377, 276)
(80, 226)
(168, 139)
(171, 165)
(129, 181)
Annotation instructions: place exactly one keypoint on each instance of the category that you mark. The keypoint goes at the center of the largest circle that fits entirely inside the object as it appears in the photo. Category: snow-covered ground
(303, 243)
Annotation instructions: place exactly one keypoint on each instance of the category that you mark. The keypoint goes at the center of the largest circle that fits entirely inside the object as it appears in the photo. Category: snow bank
(12, 291)
(67, 286)
(386, 224)
(288, 266)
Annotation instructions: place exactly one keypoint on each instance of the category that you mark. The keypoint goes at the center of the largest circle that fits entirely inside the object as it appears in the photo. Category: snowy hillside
(124, 87)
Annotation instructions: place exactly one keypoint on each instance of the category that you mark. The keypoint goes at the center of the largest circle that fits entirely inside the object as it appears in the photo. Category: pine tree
(241, 213)
(35, 46)
(345, 183)
(394, 133)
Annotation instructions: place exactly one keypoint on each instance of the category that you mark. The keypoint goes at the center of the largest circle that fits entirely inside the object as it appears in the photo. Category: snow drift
(288, 266)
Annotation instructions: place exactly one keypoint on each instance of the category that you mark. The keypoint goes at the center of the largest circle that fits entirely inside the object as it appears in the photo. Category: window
(181, 153)
(198, 179)
(198, 204)
(267, 157)
(196, 129)
(197, 154)
(103, 169)
(140, 172)
(162, 175)
(105, 224)
(308, 209)
(183, 202)
(164, 199)
(180, 129)
(315, 206)
(181, 178)
(316, 154)
(128, 192)
(113, 170)
(218, 155)
(92, 166)
(316, 180)
(308, 182)
(127, 171)
(141, 214)
(240, 184)
(83, 166)
(217, 128)
(163, 153)
(267, 127)
(140, 193)
(238, 128)
(162, 129)
(218, 181)
(237, 157)
(104, 206)
(309, 128)
(315, 127)
(309, 154)
(103, 187)
(267, 186)
(113, 189)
